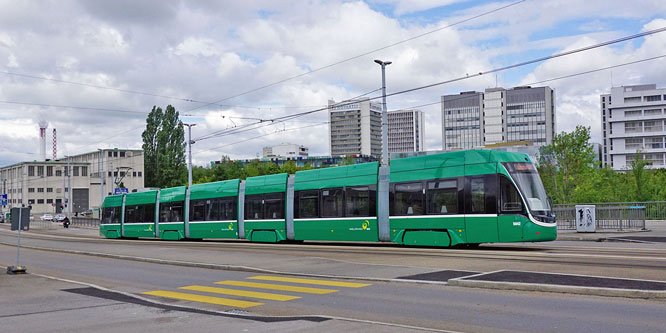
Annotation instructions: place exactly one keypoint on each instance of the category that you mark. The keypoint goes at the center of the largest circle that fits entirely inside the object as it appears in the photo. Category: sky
(94, 69)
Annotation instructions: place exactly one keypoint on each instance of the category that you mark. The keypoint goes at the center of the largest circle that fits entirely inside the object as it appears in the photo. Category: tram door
(481, 204)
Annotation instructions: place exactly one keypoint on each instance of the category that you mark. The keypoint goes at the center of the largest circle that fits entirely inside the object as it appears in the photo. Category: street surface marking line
(311, 281)
(243, 293)
(203, 299)
(277, 287)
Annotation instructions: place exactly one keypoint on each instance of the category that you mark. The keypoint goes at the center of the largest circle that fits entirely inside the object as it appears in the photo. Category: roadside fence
(654, 210)
(85, 222)
(608, 217)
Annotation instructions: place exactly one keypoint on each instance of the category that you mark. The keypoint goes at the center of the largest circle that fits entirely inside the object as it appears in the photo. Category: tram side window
(171, 212)
(227, 209)
(131, 214)
(482, 194)
(254, 207)
(198, 209)
(408, 199)
(111, 215)
(358, 201)
(274, 205)
(149, 214)
(307, 203)
(332, 202)
(510, 202)
(442, 197)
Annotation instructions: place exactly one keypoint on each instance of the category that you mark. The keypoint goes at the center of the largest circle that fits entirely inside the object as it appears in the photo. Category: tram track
(626, 258)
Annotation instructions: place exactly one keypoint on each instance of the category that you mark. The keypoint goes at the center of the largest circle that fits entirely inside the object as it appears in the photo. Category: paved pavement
(654, 229)
(31, 303)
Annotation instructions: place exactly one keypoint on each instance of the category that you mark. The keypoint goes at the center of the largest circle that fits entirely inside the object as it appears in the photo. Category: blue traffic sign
(120, 190)
(3, 200)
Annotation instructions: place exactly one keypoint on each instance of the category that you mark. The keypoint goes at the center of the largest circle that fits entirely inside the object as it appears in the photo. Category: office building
(285, 150)
(355, 127)
(405, 131)
(633, 122)
(475, 119)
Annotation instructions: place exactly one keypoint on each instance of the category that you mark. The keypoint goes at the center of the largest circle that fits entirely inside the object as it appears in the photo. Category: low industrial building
(45, 186)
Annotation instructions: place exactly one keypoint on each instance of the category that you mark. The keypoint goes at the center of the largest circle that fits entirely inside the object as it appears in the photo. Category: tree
(149, 146)
(639, 173)
(567, 161)
(164, 148)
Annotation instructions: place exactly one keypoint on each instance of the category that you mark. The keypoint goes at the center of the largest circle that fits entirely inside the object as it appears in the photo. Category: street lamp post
(383, 182)
(189, 145)
(384, 115)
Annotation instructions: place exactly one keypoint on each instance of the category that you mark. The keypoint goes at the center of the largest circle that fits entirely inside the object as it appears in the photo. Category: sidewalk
(655, 229)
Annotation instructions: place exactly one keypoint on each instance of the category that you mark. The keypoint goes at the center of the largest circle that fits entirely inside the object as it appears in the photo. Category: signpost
(3, 200)
(120, 190)
(20, 221)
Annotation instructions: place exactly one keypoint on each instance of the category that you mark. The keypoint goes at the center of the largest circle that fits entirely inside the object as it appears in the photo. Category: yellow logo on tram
(365, 225)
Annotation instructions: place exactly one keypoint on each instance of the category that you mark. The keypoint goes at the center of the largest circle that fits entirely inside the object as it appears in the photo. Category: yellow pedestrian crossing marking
(243, 293)
(203, 299)
(277, 287)
(310, 281)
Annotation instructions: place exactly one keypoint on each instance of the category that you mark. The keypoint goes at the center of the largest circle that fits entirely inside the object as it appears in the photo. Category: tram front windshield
(529, 183)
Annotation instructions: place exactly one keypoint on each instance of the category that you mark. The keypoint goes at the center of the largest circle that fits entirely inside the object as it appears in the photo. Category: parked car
(59, 217)
(46, 217)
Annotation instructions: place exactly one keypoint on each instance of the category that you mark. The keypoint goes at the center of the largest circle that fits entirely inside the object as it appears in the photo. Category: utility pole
(384, 172)
(189, 145)
(101, 180)
(69, 190)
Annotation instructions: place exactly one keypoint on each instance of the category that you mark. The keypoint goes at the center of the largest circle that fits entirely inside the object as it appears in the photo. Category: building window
(632, 99)
(49, 171)
(58, 173)
(636, 113)
(49, 201)
(139, 173)
(31, 201)
(40, 190)
(654, 143)
(75, 171)
(66, 189)
(31, 190)
(40, 201)
(133, 173)
(84, 171)
(633, 143)
(49, 189)
(122, 154)
(653, 126)
(632, 127)
(31, 171)
(115, 154)
(40, 171)
(653, 112)
(110, 154)
(654, 98)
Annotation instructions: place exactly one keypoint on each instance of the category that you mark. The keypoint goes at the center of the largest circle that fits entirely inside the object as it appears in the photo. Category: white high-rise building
(633, 121)
(475, 119)
(405, 131)
(355, 127)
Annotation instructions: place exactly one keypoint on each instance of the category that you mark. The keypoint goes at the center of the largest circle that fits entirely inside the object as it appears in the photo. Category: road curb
(608, 292)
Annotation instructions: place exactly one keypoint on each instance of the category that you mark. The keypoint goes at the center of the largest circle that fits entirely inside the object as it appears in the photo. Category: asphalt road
(419, 305)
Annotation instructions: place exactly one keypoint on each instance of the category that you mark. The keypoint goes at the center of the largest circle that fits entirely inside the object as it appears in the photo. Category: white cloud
(208, 51)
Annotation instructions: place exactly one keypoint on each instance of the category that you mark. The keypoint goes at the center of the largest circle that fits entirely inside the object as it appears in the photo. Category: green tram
(465, 197)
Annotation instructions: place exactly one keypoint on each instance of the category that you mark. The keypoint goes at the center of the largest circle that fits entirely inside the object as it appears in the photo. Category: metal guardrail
(607, 217)
(87, 222)
(654, 210)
